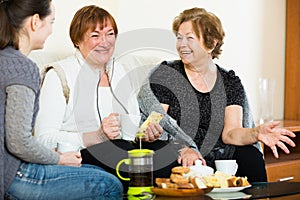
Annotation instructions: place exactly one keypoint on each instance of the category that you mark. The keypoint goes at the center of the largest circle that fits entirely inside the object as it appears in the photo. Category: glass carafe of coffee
(140, 162)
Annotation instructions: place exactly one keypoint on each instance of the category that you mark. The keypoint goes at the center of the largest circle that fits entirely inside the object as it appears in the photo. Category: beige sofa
(143, 60)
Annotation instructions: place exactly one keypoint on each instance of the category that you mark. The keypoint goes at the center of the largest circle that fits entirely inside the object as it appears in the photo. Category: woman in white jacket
(75, 118)
(83, 96)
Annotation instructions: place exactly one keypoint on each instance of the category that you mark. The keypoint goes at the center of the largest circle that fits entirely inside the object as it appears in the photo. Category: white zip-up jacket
(61, 121)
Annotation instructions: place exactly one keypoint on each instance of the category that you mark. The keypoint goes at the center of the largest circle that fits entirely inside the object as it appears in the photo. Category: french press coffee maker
(140, 162)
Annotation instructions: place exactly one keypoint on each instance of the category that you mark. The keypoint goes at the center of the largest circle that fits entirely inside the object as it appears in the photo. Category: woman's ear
(35, 22)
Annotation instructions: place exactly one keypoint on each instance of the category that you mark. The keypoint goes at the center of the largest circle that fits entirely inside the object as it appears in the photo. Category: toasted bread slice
(198, 182)
(153, 118)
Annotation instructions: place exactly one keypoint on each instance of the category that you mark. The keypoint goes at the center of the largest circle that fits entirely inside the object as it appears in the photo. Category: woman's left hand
(274, 137)
(153, 132)
(111, 126)
(188, 157)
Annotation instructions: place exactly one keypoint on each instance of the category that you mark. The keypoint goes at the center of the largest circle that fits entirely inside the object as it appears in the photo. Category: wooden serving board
(180, 192)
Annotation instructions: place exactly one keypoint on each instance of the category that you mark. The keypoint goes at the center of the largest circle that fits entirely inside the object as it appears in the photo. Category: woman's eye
(179, 38)
(110, 34)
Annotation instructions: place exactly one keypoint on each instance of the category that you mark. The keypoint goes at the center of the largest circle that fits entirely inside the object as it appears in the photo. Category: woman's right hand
(111, 126)
(71, 158)
(188, 156)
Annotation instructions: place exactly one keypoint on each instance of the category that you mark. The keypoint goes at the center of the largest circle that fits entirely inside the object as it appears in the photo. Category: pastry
(160, 181)
(178, 178)
(185, 185)
(180, 170)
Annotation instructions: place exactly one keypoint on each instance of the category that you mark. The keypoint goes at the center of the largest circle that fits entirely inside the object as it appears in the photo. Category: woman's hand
(71, 158)
(153, 132)
(272, 136)
(188, 156)
(111, 126)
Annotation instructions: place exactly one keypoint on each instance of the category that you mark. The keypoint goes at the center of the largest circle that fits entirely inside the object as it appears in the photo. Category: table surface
(273, 190)
(263, 190)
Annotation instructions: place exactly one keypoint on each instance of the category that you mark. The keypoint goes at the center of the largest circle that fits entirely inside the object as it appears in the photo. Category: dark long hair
(12, 15)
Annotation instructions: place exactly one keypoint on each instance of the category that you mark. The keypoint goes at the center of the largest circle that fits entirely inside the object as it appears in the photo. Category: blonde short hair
(206, 23)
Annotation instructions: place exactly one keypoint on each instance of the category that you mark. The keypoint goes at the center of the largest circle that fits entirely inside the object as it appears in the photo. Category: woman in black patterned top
(209, 103)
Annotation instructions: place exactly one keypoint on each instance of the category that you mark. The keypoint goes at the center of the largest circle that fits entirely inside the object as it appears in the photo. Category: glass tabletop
(273, 189)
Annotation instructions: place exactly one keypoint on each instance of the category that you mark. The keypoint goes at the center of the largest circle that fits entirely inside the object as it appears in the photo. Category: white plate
(228, 195)
(230, 189)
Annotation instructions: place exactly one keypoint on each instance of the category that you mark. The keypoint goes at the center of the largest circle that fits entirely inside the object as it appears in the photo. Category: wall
(254, 42)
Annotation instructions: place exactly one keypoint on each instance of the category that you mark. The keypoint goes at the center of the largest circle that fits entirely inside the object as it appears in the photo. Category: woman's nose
(184, 41)
(102, 38)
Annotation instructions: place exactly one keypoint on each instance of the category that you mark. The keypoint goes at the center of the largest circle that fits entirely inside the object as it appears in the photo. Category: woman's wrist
(256, 133)
(182, 149)
(101, 137)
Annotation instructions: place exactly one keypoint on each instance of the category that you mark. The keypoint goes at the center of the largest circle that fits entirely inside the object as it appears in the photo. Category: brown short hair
(87, 18)
(206, 23)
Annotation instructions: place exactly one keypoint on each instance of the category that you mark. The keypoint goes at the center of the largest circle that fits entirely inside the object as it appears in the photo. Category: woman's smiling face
(189, 47)
(98, 44)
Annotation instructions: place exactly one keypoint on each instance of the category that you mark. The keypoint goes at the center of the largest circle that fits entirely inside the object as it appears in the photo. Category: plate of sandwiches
(184, 183)
(222, 182)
